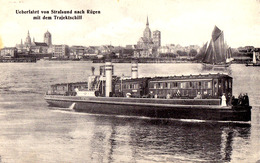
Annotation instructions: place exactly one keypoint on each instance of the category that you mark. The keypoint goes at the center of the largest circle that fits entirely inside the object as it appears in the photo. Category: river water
(31, 131)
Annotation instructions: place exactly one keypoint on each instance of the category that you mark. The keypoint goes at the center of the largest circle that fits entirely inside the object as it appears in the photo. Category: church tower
(147, 32)
(157, 38)
(28, 39)
(47, 38)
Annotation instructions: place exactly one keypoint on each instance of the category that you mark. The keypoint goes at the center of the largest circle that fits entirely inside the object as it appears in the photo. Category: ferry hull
(144, 108)
(253, 64)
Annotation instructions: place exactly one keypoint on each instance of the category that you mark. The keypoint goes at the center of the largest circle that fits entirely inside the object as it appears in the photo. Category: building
(34, 47)
(28, 42)
(47, 38)
(60, 51)
(157, 38)
(77, 52)
(106, 49)
(92, 51)
(178, 51)
(130, 47)
(39, 47)
(20, 47)
(148, 44)
(8, 52)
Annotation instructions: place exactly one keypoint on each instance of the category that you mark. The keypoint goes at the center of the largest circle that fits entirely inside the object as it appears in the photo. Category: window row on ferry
(181, 85)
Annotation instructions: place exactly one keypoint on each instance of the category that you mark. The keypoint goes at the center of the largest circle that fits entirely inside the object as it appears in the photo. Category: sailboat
(229, 55)
(217, 53)
(255, 56)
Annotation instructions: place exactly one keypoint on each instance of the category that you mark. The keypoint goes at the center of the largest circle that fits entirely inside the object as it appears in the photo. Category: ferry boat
(201, 97)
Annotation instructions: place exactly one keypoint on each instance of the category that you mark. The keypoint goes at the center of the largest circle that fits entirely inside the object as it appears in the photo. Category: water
(30, 131)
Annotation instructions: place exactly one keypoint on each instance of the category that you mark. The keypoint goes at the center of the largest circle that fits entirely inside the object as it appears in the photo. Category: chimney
(108, 69)
(254, 57)
(134, 70)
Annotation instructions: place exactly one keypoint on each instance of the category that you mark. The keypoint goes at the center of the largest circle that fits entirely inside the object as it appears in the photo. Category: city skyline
(122, 22)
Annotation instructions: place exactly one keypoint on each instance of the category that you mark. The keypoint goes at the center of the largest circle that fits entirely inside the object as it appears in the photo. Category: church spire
(28, 39)
(147, 31)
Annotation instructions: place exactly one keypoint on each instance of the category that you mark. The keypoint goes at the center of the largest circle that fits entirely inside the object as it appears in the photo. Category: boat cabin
(132, 87)
(192, 86)
(67, 88)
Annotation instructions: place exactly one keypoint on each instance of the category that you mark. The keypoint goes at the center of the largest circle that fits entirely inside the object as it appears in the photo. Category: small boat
(202, 97)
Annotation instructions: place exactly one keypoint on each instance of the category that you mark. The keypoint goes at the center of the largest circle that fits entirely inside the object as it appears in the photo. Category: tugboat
(200, 97)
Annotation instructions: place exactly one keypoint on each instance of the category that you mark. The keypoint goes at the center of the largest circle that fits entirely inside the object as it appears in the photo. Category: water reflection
(148, 140)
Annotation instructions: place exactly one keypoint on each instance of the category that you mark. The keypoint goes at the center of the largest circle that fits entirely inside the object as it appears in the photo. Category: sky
(122, 22)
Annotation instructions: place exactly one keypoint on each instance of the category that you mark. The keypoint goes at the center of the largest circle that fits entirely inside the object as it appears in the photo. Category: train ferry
(201, 97)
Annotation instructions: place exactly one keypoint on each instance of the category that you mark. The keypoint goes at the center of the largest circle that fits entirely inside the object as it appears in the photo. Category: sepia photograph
(136, 81)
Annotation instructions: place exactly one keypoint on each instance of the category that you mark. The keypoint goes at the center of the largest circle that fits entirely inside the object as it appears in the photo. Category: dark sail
(216, 33)
(209, 57)
(201, 53)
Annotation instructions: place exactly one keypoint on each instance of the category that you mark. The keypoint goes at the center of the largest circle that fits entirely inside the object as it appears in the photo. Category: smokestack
(254, 57)
(108, 69)
(134, 70)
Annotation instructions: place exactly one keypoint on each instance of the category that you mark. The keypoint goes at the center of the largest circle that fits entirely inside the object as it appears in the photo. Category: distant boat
(217, 53)
(229, 55)
(255, 61)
